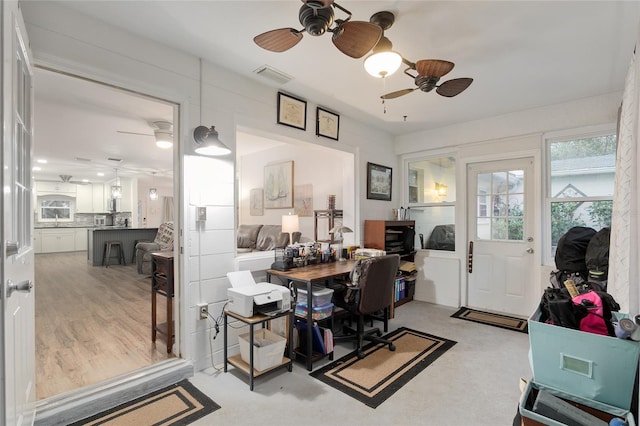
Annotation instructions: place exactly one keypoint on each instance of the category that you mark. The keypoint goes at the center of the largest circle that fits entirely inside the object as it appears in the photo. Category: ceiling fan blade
(397, 93)
(454, 87)
(134, 133)
(434, 67)
(356, 38)
(278, 40)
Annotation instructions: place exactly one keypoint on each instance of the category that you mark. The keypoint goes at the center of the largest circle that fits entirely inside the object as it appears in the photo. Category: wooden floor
(92, 323)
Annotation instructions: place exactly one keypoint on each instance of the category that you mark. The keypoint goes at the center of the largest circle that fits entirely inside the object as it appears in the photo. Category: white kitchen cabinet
(81, 239)
(99, 198)
(37, 241)
(84, 198)
(58, 240)
(62, 188)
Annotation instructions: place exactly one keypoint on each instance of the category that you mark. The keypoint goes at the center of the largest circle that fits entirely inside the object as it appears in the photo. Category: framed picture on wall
(327, 123)
(255, 202)
(278, 185)
(292, 111)
(378, 182)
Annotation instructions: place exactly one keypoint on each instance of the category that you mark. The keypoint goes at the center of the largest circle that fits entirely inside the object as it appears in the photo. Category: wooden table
(162, 283)
(310, 275)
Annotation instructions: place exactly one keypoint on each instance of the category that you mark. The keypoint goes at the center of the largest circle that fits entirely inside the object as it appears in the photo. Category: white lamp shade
(382, 64)
(153, 193)
(290, 223)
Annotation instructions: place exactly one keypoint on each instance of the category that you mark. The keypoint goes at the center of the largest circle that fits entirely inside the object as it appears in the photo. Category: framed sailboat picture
(278, 185)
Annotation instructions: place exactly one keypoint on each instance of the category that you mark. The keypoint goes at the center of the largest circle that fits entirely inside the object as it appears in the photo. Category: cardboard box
(586, 365)
(601, 411)
(268, 349)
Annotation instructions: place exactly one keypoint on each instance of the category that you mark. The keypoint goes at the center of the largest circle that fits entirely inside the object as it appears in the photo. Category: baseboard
(81, 403)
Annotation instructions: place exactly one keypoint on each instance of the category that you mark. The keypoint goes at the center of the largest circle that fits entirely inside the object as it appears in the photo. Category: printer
(247, 298)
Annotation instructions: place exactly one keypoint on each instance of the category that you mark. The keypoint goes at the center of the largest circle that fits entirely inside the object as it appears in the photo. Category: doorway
(500, 217)
(93, 322)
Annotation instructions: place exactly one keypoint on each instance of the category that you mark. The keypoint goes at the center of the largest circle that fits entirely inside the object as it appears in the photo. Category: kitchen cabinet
(58, 240)
(81, 239)
(37, 241)
(55, 188)
(84, 198)
(99, 198)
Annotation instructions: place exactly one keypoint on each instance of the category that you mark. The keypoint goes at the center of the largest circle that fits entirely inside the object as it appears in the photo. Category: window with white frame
(580, 181)
(431, 197)
(56, 208)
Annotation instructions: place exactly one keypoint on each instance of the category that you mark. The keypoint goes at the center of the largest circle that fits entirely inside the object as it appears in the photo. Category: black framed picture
(379, 182)
(292, 111)
(327, 123)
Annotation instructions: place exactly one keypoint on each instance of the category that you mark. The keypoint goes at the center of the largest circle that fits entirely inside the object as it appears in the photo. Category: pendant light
(207, 138)
(116, 190)
(153, 191)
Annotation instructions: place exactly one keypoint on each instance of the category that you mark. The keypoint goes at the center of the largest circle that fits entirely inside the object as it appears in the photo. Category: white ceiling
(520, 54)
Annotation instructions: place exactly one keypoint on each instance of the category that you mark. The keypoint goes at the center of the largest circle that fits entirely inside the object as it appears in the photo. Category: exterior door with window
(501, 264)
(18, 339)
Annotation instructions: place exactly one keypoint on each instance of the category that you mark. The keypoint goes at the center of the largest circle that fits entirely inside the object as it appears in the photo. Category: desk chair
(373, 280)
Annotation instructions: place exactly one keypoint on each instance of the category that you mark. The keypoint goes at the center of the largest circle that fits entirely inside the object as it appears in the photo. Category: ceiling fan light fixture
(208, 142)
(382, 64)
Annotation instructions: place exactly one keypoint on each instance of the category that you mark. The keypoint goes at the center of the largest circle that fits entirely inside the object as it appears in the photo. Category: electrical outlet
(203, 308)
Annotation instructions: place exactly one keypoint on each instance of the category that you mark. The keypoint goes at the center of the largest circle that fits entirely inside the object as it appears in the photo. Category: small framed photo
(378, 182)
(292, 111)
(327, 123)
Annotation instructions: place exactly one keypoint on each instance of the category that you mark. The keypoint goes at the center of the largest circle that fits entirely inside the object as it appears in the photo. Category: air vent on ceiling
(114, 159)
(273, 74)
(86, 160)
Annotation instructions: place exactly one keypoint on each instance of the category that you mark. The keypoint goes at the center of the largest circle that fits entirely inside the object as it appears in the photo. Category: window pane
(434, 227)
(432, 180)
(583, 167)
(499, 230)
(566, 215)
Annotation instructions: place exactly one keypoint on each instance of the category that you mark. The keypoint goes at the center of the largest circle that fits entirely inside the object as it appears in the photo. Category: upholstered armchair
(162, 242)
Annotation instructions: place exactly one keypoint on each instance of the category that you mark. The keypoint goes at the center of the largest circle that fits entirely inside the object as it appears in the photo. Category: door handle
(24, 287)
(530, 250)
(12, 247)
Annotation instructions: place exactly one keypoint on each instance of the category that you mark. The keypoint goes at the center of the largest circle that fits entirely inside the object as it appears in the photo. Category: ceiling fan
(67, 179)
(353, 38)
(429, 71)
(162, 131)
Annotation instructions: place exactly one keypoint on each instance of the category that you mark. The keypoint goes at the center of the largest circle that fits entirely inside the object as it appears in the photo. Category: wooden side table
(162, 283)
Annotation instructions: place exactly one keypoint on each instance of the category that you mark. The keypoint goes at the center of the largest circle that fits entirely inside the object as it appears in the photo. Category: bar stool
(106, 257)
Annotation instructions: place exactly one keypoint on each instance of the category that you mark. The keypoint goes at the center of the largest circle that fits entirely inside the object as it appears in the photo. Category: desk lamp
(290, 224)
(338, 232)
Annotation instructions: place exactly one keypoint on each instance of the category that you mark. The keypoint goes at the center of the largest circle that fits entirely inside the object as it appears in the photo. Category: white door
(500, 243)
(18, 328)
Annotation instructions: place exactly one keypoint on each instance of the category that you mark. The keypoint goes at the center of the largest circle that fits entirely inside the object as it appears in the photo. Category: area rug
(381, 373)
(178, 404)
(496, 320)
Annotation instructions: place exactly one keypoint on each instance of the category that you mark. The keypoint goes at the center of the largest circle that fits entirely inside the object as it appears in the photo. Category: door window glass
(500, 201)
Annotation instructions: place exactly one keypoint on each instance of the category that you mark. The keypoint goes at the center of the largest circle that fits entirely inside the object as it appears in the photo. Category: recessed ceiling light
(100, 174)
(85, 180)
(42, 161)
(36, 169)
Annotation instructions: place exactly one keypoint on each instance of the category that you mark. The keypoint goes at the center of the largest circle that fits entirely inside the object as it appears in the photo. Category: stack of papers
(406, 266)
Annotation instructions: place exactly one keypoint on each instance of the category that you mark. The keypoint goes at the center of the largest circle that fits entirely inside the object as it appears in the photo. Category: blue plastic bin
(586, 365)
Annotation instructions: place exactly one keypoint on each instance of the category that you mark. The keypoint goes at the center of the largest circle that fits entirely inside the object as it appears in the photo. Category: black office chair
(370, 293)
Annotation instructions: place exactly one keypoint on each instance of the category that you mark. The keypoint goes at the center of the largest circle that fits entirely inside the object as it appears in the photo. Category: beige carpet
(382, 372)
(179, 404)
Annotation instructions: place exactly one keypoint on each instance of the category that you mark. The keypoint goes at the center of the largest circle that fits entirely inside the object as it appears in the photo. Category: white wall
(65, 40)
(517, 134)
(320, 167)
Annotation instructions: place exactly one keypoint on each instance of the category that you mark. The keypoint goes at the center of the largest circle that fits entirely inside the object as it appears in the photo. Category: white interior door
(501, 240)
(18, 339)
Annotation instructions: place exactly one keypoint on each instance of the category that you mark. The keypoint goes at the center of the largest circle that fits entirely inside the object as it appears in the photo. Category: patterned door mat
(381, 373)
(175, 405)
(496, 320)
